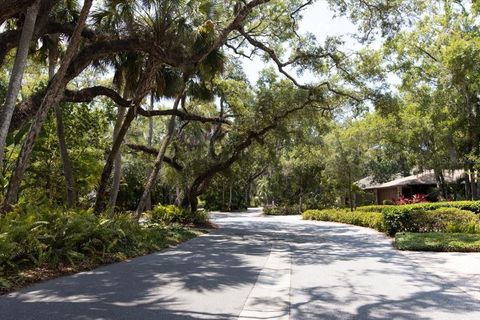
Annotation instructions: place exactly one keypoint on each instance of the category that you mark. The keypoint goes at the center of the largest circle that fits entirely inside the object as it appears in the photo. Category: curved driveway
(256, 267)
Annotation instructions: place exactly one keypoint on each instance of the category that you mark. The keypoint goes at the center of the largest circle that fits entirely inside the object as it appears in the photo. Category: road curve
(256, 267)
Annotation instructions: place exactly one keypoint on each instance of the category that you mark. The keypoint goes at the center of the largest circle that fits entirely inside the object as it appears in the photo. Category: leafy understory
(39, 244)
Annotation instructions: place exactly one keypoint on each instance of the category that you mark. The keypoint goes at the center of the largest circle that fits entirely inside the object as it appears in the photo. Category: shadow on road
(338, 272)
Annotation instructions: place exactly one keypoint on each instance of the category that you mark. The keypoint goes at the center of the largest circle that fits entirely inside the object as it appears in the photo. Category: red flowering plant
(416, 198)
(419, 198)
(403, 200)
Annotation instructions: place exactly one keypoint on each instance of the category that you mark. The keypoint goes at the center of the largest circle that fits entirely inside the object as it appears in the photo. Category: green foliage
(170, 214)
(372, 208)
(284, 210)
(453, 242)
(40, 236)
(473, 206)
(372, 220)
(418, 219)
(133, 179)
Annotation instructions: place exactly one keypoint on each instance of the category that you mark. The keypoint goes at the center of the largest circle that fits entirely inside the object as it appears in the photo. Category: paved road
(265, 268)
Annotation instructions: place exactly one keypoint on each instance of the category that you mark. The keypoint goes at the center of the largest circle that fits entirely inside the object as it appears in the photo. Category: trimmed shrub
(372, 220)
(418, 219)
(282, 210)
(473, 206)
(412, 218)
(373, 208)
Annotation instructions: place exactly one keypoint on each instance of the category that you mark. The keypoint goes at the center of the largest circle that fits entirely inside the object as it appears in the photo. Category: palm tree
(62, 144)
(148, 204)
(206, 71)
(17, 75)
(156, 20)
(128, 68)
(159, 160)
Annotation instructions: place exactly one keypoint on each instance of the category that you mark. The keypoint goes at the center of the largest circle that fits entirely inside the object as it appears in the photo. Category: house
(421, 183)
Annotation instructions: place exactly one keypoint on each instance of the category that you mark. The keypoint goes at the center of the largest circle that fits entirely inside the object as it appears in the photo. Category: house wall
(387, 194)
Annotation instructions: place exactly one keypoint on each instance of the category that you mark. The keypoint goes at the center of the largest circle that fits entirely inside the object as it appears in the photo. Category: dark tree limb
(11, 8)
(201, 182)
(182, 115)
(152, 151)
(10, 38)
(281, 67)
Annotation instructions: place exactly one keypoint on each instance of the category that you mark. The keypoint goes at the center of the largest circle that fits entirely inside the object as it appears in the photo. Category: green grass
(452, 242)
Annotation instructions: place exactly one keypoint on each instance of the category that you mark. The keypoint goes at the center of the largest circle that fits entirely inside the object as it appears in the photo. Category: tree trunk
(178, 197)
(468, 193)
(62, 144)
(52, 97)
(143, 87)
(473, 185)
(117, 162)
(192, 201)
(223, 195)
(246, 195)
(158, 161)
(16, 76)
(350, 191)
(300, 202)
(107, 169)
(230, 198)
(148, 204)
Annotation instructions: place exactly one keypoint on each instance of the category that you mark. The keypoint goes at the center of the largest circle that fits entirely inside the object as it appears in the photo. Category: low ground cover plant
(51, 240)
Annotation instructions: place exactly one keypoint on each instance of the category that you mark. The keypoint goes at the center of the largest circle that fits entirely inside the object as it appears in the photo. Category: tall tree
(52, 97)
(159, 160)
(60, 129)
(17, 74)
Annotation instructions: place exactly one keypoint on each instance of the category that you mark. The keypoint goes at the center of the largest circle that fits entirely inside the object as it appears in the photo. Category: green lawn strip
(438, 241)
(163, 238)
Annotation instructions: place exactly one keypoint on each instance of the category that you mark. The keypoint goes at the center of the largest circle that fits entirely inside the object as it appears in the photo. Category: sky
(319, 20)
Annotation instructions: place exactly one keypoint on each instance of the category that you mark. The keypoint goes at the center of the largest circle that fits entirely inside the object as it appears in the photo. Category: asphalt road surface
(256, 267)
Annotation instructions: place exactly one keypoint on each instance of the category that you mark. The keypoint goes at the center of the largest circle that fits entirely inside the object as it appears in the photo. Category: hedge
(372, 220)
(372, 208)
(399, 219)
(473, 206)
(395, 219)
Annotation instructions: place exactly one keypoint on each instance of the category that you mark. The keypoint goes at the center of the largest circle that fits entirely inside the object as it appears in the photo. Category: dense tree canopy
(119, 105)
